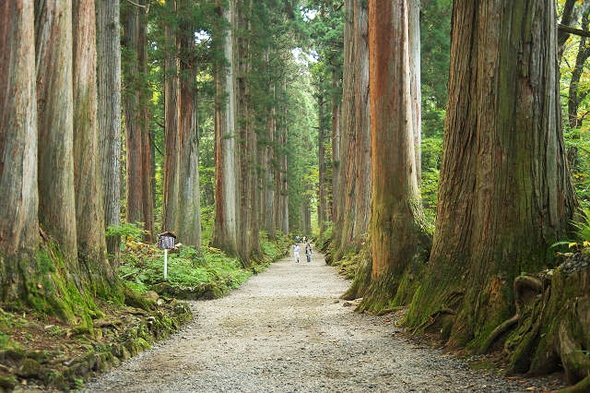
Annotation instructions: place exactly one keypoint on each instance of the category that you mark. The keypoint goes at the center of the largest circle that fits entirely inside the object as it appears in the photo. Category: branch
(571, 30)
(146, 7)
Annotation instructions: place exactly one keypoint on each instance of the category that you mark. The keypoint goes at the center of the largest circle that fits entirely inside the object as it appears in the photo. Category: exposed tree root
(526, 289)
(581, 387)
(433, 318)
(499, 331)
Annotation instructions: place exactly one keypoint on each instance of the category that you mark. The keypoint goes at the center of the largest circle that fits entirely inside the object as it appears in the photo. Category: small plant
(583, 227)
(126, 231)
(582, 242)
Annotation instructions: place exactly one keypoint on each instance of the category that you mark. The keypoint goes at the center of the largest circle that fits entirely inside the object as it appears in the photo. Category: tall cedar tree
(225, 222)
(171, 119)
(55, 105)
(397, 230)
(353, 193)
(19, 225)
(139, 193)
(505, 193)
(92, 248)
(248, 203)
(189, 205)
(109, 114)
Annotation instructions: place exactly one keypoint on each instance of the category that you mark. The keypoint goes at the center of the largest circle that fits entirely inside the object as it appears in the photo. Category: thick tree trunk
(171, 115)
(225, 224)
(248, 225)
(322, 165)
(189, 204)
(354, 193)
(19, 225)
(109, 114)
(505, 194)
(397, 232)
(148, 170)
(92, 249)
(57, 205)
(281, 203)
(134, 104)
(415, 81)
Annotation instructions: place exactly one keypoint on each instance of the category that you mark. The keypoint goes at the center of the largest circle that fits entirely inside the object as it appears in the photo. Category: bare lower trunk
(92, 252)
(57, 206)
(171, 89)
(19, 225)
(354, 191)
(109, 114)
(505, 194)
(225, 225)
(397, 230)
(189, 206)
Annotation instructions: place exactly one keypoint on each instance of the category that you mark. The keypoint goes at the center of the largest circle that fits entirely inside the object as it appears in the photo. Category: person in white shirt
(296, 250)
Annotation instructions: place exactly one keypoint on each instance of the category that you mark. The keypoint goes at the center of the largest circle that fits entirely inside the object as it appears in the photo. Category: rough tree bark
(19, 225)
(397, 229)
(171, 116)
(57, 205)
(225, 224)
(354, 192)
(505, 194)
(109, 114)
(248, 225)
(92, 248)
(139, 192)
(189, 198)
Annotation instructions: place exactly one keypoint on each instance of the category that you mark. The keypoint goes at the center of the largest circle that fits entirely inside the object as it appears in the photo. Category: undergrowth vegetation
(142, 265)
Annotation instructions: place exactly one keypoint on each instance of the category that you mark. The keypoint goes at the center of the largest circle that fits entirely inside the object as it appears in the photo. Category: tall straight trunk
(139, 190)
(248, 225)
(505, 194)
(109, 114)
(270, 162)
(397, 229)
(189, 206)
(19, 225)
(225, 224)
(133, 114)
(281, 204)
(336, 139)
(171, 115)
(57, 205)
(322, 165)
(147, 173)
(92, 248)
(354, 193)
(415, 82)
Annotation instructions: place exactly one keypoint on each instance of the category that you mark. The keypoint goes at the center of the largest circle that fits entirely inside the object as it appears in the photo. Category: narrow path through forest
(286, 330)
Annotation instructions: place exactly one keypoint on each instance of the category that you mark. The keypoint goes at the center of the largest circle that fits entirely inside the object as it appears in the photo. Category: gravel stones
(285, 330)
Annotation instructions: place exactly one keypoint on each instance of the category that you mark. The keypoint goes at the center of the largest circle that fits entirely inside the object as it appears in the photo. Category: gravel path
(286, 330)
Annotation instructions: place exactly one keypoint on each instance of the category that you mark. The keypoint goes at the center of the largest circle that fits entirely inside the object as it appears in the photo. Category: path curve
(286, 330)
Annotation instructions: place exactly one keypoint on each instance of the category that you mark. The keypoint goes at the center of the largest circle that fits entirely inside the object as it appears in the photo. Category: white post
(165, 264)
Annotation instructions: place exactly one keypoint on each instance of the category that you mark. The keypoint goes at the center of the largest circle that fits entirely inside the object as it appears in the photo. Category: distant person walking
(308, 252)
(296, 250)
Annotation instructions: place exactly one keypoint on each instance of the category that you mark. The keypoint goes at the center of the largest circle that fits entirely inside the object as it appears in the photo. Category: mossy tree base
(63, 357)
(553, 329)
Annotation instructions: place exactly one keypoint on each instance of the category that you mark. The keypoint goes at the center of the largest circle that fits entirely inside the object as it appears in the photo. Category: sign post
(166, 241)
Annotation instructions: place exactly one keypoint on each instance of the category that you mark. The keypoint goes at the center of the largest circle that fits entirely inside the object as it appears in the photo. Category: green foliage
(9, 322)
(583, 228)
(431, 161)
(578, 151)
(435, 26)
(142, 267)
(126, 231)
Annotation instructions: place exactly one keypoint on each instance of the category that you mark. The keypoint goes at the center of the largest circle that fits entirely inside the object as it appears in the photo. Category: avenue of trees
(421, 142)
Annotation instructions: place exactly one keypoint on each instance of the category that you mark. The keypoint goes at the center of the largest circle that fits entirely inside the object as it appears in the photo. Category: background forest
(237, 125)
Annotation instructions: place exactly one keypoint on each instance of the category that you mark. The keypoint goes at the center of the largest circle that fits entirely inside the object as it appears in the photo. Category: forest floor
(287, 330)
